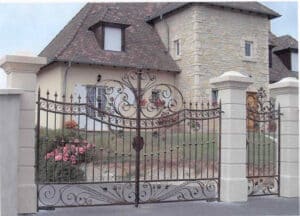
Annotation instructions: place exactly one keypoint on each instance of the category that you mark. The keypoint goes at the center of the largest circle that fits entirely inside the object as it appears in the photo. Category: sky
(29, 27)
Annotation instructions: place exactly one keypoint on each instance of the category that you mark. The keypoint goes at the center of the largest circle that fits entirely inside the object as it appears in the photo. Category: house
(283, 57)
(183, 44)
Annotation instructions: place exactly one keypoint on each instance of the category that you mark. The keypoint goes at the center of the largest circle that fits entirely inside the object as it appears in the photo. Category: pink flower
(73, 159)
(55, 151)
(81, 150)
(65, 157)
(65, 149)
(89, 145)
(76, 141)
(58, 157)
(49, 155)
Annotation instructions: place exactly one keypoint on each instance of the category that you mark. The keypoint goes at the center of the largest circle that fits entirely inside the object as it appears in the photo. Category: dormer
(110, 36)
(287, 50)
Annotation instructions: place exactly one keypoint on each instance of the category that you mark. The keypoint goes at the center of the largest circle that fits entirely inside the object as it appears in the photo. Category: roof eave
(51, 61)
(270, 16)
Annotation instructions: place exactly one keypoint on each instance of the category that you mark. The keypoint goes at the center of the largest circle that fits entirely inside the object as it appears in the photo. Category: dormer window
(294, 61)
(110, 36)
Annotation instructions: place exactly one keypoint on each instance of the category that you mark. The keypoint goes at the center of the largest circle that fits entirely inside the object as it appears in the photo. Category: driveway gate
(129, 141)
(263, 146)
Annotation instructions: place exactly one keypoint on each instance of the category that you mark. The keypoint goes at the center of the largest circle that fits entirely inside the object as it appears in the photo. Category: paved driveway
(270, 205)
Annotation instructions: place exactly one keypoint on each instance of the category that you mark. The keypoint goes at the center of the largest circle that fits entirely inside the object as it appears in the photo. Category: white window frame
(253, 57)
(112, 38)
(294, 61)
(94, 100)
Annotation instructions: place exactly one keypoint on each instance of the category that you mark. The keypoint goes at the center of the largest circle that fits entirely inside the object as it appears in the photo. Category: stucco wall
(51, 78)
(78, 77)
(87, 75)
(212, 41)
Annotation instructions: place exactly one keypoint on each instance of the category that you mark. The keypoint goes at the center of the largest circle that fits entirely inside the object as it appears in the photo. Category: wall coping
(290, 82)
(231, 79)
(23, 59)
(11, 91)
(22, 63)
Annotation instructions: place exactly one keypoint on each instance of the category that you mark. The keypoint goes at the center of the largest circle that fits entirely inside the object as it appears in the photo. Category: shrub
(54, 171)
(61, 153)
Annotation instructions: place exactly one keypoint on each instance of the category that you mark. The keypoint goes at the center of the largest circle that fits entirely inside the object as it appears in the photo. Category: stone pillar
(232, 93)
(286, 94)
(21, 73)
(9, 131)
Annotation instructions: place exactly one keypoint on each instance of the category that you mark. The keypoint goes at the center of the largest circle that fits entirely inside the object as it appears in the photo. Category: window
(96, 97)
(101, 98)
(248, 48)
(112, 38)
(177, 47)
(214, 97)
(294, 61)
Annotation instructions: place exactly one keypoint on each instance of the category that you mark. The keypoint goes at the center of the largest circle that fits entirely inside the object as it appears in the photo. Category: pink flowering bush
(62, 164)
(73, 152)
(61, 154)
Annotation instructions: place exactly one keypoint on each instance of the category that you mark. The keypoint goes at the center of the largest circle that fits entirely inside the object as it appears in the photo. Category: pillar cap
(231, 79)
(22, 63)
(290, 82)
(288, 85)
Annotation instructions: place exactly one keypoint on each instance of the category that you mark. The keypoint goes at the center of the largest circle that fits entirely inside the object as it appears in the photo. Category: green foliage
(59, 171)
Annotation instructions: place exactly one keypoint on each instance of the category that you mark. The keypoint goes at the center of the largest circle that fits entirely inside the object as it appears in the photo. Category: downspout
(64, 87)
(168, 32)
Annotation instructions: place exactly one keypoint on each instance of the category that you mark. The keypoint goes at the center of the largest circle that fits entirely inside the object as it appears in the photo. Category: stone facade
(212, 42)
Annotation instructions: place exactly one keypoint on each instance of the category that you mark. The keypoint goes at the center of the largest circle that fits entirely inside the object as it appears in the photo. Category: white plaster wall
(9, 133)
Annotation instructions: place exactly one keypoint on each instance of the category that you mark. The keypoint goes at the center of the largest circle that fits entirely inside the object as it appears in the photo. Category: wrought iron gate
(137, 142)
(263, 146)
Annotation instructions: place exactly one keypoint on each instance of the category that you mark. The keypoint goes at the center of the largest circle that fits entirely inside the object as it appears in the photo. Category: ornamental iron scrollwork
(155, 98)
(263, 186)
(59, 195)
(262, 104)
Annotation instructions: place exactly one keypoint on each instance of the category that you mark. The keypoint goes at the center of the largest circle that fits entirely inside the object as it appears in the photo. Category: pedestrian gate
(263, 146)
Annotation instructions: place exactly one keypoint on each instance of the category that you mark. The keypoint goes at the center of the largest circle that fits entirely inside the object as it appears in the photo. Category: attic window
(112, 38)
(294, 61)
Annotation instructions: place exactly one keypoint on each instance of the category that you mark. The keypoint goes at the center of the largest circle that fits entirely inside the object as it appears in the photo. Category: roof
(143, 46)
(253, 7)
(278, 69)
(285, 42)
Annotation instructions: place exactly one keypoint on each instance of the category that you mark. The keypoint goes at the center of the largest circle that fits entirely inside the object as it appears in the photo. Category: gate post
(232, 93)
(21, 73)
(286, 94)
